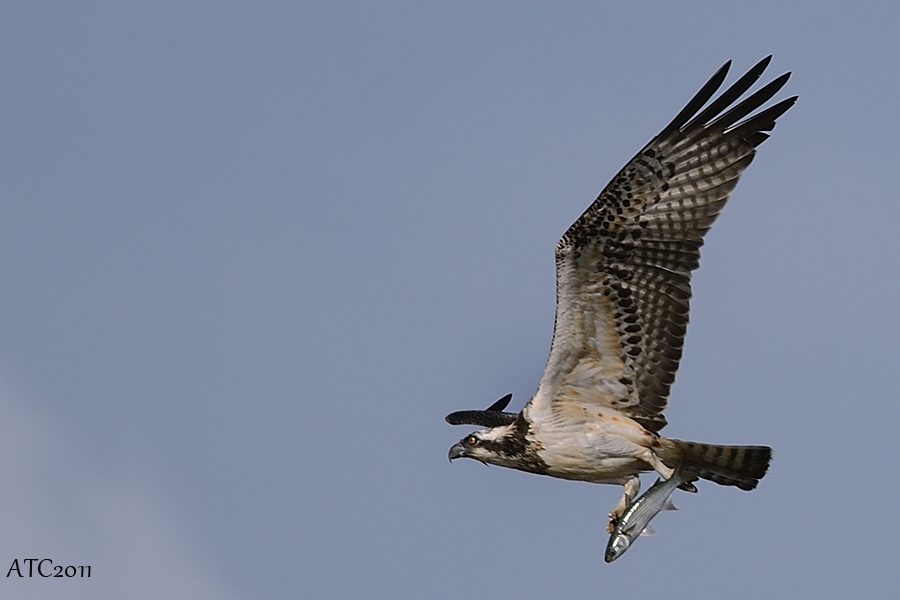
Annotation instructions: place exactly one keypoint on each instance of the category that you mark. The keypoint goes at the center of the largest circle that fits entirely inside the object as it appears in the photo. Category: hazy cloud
(57, 505)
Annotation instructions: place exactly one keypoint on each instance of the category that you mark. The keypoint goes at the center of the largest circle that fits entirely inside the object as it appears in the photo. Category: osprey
(623, 272)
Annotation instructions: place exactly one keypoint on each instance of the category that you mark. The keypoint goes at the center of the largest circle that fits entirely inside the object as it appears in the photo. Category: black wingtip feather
(755, 139)
(492, 417)
(752, 102)
(482, 418)
(691, 117)
(699, 99)
(764, 121)
(734, 92)
(501, 404)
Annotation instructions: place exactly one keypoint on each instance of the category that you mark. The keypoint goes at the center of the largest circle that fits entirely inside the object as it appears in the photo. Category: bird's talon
(613, 520)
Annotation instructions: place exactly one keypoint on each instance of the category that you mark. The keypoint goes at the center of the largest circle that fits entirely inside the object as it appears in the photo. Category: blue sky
(251, 255)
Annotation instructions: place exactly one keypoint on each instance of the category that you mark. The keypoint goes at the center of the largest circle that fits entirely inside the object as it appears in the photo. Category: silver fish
(642, 511)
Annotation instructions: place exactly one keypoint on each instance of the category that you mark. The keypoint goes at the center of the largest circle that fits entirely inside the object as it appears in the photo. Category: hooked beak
(457, 451)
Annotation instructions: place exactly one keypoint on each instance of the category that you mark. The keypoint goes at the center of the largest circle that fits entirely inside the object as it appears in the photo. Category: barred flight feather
(638, 243)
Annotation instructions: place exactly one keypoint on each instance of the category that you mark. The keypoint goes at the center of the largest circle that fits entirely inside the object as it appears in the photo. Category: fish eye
(471, 440)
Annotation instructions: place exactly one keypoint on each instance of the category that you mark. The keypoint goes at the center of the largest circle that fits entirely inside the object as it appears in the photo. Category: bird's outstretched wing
(492, 417)
(624, 267)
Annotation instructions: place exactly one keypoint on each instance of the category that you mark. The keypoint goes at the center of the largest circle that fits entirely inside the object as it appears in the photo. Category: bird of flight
(623, 272)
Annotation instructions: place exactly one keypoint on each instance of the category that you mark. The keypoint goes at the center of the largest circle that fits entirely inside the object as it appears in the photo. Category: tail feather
(740, 466)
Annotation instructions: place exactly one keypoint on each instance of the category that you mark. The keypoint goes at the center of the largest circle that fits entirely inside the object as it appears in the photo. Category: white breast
(599, 445)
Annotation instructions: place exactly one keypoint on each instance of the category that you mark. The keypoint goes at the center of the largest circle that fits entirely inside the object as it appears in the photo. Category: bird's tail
(741, 466)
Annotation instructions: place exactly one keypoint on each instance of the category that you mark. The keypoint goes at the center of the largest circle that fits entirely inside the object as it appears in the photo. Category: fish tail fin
(740, 466)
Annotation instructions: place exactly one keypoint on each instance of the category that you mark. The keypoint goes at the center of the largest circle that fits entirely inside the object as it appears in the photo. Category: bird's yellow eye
(472, 440)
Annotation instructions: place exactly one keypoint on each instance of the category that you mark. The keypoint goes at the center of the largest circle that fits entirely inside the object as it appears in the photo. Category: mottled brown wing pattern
(624, 267)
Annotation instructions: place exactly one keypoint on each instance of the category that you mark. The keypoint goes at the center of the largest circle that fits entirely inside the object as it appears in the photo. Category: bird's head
(489, 446)
(501, 443)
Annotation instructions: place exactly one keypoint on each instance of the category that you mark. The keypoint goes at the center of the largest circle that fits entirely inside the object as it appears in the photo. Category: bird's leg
(658, 465)
(632, 487)
(668, 472)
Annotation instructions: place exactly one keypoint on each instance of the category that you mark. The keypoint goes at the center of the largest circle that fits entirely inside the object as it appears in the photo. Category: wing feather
(624, 267)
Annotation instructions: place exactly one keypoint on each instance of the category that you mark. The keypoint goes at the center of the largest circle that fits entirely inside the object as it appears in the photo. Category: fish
(640, 512)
